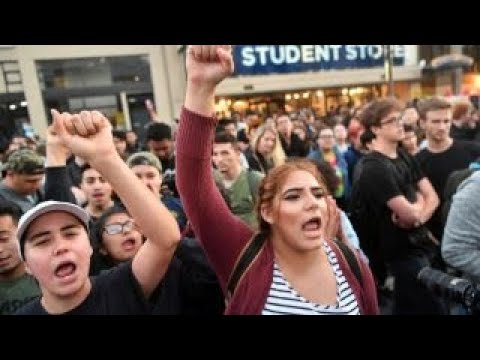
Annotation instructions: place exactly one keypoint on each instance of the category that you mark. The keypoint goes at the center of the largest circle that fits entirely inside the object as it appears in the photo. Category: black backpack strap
(254, 247)
(250, 184)
(351, 260)
(246, 258)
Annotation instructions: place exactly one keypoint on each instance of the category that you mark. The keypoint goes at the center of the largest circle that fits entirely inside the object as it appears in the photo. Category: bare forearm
(161, 228)
(55, 161)
(431, 204)
(404, 212)
(417, 208)
(55, 156)
(430, 199)
(200, 99)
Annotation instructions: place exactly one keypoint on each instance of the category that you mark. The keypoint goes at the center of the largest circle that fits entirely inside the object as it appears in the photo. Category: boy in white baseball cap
(54, 241)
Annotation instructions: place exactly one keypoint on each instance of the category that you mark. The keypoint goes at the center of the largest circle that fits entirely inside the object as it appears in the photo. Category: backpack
(254, 247)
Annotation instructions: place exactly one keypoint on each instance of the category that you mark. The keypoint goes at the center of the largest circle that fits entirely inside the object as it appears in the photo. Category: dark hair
(366, 138)
(328, 173)
(8, 208)
(100, 223)
(377, 110)
(119, 134)
(83, 169)
(100, 261)
(226, 121)
(225, 138)
(158, 132)
(4, 144)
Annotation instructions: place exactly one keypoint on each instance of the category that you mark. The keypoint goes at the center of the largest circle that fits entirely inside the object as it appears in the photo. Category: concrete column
(3, 86)
(126, 110)
(175, 62)
(33, 94)
(160, 84)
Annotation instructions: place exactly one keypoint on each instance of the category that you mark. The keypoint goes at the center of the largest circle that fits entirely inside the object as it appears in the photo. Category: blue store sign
(281, 59)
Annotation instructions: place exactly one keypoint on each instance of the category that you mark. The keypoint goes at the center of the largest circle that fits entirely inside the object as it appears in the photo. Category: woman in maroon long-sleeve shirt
(298, 270)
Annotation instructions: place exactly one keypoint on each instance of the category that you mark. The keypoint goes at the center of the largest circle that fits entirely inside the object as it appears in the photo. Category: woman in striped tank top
(298, 269)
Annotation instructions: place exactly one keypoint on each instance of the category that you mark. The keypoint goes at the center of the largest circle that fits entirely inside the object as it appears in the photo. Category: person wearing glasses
(54, 236)
(187, 287)
(191, 285)
(391, 201)
(329, 152)
(117, 237)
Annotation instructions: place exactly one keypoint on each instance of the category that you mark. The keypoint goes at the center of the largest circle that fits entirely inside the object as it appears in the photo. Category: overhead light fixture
(452, 61)
(12, 107)
(23, 104)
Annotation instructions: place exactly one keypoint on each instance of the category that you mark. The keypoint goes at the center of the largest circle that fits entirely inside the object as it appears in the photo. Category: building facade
(273, 77)
(115, 79)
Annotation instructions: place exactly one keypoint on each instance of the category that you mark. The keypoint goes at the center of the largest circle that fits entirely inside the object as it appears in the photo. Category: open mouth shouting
(65, 271)
(129, 244)
(313, 227)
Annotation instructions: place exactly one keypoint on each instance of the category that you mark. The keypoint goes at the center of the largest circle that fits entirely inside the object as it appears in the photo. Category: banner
(282, 59)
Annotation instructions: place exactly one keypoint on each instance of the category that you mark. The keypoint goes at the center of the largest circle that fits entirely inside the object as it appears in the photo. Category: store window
(98, 83)
(93, 72)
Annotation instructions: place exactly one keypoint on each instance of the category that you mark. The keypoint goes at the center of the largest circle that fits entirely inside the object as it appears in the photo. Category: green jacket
(242, 195)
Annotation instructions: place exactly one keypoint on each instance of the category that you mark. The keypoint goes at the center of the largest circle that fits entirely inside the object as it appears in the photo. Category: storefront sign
(267, 59)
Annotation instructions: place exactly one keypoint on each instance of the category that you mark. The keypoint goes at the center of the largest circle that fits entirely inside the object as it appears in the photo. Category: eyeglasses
(118, 228)
(393, 119)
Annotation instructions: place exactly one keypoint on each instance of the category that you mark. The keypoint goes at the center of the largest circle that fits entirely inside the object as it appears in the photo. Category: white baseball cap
(43, 208)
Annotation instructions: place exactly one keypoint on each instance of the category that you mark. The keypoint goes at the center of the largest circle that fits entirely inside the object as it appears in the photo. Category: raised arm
(222, 234)
(207, 66)
(57, 181)
(89, 135)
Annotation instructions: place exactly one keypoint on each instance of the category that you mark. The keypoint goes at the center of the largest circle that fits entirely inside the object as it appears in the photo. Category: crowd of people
(290, 213)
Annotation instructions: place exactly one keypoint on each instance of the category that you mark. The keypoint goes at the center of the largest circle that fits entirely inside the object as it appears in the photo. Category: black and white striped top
(284, 300)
